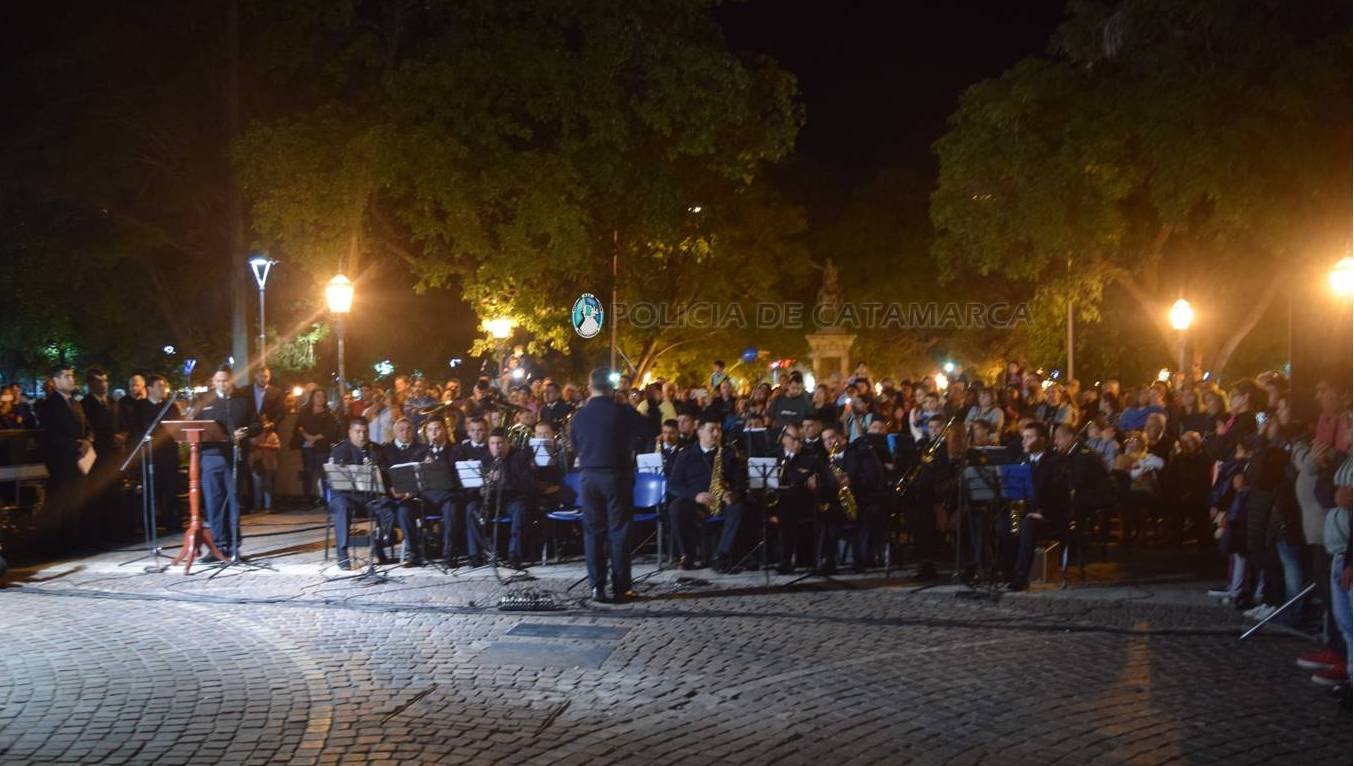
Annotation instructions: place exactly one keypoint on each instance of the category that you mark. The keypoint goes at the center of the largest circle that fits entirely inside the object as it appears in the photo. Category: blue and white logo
(587, 315)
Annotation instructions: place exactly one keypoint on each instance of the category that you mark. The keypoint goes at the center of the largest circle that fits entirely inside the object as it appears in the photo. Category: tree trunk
(1244, 327)
(234, 261)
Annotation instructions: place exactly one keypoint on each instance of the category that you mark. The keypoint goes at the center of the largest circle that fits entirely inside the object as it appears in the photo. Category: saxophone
(845, 497)
(717, 487)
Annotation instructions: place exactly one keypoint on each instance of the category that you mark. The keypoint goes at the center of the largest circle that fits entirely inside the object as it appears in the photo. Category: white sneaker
(1220, 594)
(1261, 613)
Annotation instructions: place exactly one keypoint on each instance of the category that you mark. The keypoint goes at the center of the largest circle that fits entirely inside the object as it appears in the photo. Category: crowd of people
(864, 468)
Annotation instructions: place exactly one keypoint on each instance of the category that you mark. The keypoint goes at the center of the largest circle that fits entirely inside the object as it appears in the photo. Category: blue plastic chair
(650, 491)
(565, 514)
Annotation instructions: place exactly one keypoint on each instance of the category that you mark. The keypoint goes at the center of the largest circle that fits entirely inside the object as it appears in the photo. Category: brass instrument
(717, 486)
(928, 456)
(845, 497)
(519, 435)
(1018, 510)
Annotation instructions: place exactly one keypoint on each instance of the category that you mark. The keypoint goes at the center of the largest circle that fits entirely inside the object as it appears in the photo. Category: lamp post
(261, 265)
(1181, 316)
(1342, 277)
(339, 295)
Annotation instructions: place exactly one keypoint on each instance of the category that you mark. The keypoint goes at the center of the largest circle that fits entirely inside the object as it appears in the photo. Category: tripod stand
(148, 494)
(365, 481)
(760, 472)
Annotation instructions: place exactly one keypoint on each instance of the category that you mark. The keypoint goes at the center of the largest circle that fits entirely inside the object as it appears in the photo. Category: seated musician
(798, 471)
(507, 490)
(1046, 513)
(1088, 481)
(860, 472)
(689, 486)
(929, 489)
(668, 445)
(404, 506)
(355, 450)
(812, 434)
(475, 447)
(442, 502)
(549, 479)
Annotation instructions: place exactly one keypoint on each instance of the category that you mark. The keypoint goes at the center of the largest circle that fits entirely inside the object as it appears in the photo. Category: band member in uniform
(442, 502)
(1047, 512)
(798, 471)
(105, 510)
(930, 476)
(554, 409)
(402, 506)
(853, 467)
(812, 435)
(355, 450)
(668, 446)
(236, 416)
(1085, 473)
(602, 432)
(507, 491)
(695, 496)
(64, 439)
(475, 447)
(164, 450)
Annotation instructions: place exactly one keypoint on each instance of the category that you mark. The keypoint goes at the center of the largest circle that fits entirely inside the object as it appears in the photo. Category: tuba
(717, 486)
(845, 497)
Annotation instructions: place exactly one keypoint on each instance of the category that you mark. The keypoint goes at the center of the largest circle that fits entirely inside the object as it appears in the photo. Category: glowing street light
(338, 294)
(1181, 316)
(261, 265)
(1342, 277)
(499, 328)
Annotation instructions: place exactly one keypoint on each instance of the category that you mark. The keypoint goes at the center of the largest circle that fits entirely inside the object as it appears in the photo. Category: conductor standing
(602, 432)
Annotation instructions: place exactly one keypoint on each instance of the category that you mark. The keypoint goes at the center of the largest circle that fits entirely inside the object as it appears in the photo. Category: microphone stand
(235, 559)
(148, 492)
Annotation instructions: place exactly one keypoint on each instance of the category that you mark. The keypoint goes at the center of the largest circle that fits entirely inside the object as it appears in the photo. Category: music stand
(979, 482)
(194, 433)
(366, 480)
(764, 475)
(143, 448)
(416, 479)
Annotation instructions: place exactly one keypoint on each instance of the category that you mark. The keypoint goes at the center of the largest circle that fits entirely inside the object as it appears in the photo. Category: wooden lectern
(195, 432)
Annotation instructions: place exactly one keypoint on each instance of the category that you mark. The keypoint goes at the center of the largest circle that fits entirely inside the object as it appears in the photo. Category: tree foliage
(1165, 149)
(502, 145)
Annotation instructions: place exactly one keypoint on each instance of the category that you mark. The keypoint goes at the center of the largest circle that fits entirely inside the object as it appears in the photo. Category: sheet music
(763, 473)
(471, 473)
(543, 450)
(649, 462)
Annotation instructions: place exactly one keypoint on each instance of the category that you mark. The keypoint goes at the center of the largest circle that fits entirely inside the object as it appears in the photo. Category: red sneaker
(1319, 659)
(1336, 676)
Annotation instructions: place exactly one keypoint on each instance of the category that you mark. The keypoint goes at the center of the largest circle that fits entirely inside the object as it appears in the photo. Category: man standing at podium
(237, 418)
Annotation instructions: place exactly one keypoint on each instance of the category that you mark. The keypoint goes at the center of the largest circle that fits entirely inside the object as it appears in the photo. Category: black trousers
(1032, 530)
(687, 516)
(793, 513)
(443, 504)
(607, 513)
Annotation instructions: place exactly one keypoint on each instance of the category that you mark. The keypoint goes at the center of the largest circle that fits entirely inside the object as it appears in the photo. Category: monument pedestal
(830, 353)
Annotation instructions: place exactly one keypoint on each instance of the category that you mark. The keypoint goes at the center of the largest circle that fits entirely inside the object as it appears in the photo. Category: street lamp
(1342, 277)
(339, 295)
(500, 329)
(1181, 316)
(261, 265)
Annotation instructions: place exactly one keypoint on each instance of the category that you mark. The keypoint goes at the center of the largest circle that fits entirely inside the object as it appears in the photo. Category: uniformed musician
(1046, 513)
(692, 502)
(355, 450)
(442, 502)
(474, 448)
(798, 470)
(507, 491)
(403, 507)
(865, 478)
(237, 418)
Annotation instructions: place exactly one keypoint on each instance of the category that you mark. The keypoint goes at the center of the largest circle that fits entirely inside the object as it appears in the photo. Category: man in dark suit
(864, 476)
(508, 489)
(65, 439)
(602, 433)
(271, 406)
(555, 409)
(692, 502)
(164, 450)
(237, 418)
(355, 450)
(476, 448)
(798, 470)
(442, 503)
(404, 449)
(104, 503)
(1047, 512)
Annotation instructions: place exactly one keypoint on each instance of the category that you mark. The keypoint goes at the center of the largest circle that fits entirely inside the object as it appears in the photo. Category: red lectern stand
(194, 432)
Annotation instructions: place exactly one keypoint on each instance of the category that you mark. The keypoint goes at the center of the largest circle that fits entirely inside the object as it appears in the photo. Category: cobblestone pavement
(105, 664)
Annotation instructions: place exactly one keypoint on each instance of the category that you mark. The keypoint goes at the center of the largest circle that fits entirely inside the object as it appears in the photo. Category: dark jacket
(232, 413)
(63, 426)
(603, 432)
(691, 473)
